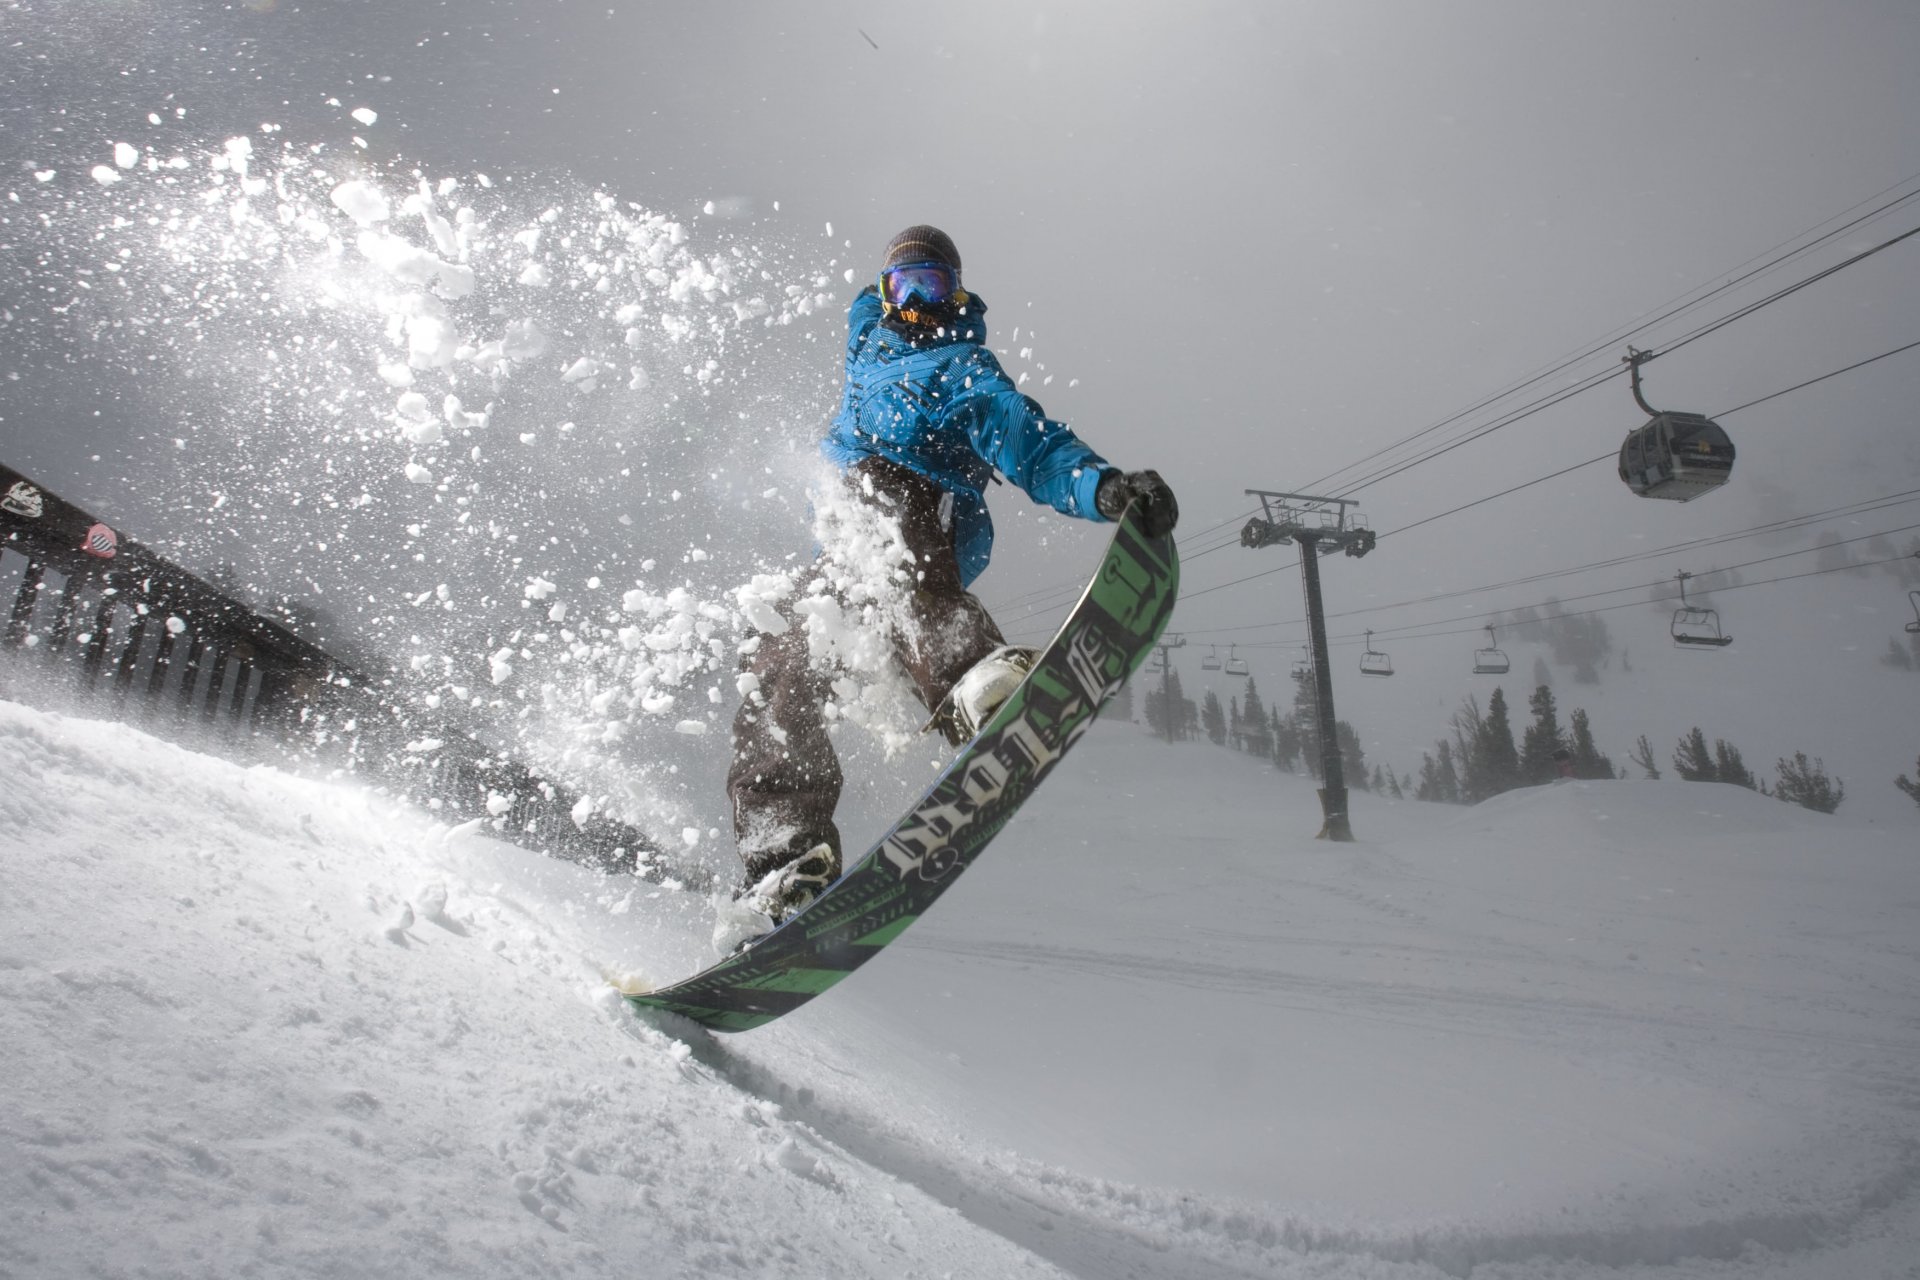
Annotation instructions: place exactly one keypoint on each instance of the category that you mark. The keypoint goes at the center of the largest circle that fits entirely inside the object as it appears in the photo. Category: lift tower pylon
(1308, 522)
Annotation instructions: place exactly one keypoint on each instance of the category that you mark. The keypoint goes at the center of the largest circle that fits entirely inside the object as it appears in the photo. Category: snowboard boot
(979, 693)
(776, 897)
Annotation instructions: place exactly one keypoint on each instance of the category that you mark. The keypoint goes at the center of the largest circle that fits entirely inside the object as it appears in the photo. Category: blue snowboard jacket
(948, 411)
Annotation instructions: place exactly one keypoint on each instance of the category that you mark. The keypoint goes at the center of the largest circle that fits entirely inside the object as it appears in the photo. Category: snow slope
(259, 1025)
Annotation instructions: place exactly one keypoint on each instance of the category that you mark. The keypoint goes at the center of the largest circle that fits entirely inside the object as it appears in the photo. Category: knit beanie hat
(921, 244)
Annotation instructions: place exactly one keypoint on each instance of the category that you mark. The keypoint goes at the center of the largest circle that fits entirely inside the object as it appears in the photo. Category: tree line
(1481, 757)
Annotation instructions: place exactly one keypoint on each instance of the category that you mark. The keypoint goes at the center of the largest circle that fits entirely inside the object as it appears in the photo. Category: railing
(135, 636)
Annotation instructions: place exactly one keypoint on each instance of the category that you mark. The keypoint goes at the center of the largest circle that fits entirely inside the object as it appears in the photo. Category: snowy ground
(258, 1025)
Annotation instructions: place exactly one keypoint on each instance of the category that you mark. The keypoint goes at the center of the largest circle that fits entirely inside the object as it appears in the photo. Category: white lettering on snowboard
(924, 843)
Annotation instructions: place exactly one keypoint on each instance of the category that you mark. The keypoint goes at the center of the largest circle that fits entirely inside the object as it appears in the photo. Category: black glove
(1158, 511)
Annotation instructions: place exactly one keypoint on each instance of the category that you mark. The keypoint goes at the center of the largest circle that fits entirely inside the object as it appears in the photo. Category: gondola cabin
(1676, 455)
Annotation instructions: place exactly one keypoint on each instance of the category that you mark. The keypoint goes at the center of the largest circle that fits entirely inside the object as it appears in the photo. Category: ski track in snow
(254, 1024)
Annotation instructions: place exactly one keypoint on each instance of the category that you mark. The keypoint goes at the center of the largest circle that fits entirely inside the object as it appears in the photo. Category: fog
(1249, 245)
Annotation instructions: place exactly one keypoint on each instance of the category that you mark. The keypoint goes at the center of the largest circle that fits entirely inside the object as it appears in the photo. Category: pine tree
(1439, 781)
(1214, 718)
(1235, 732)
(1286, 742)
(1911, 786)
(1691, 759)
(1353, 760)
(1729, 767)
(1643, 751)
(1393, 787)
(1496, 763)
(1156, 713)
(1807, 785)
(1588, 761)
(1253, 722)
(1541, 739)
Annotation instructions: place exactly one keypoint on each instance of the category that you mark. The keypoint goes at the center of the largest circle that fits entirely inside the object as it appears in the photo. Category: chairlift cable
(1545, 403)
(1810, 381)
(1775, 526)
(1641, 604)
(1527, 411)
(1606, 343)
(1403, 632)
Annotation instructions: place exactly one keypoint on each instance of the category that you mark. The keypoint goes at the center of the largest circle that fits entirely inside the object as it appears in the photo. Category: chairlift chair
(1373, 662)
(1302, 666)
(1236, 665)
(1696, 626)
(1674, 455)
(1490, 661)
(1913, 598)
(1210, 661)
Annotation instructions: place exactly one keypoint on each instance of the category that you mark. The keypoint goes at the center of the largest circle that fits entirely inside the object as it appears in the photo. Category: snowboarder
(926, 420)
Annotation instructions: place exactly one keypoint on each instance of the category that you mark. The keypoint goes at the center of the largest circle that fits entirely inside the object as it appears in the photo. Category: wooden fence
(132, 635)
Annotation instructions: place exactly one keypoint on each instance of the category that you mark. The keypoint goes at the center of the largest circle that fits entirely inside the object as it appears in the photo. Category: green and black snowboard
(1110, 632)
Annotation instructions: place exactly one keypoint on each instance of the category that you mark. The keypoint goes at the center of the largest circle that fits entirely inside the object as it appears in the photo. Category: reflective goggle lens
(934, 283)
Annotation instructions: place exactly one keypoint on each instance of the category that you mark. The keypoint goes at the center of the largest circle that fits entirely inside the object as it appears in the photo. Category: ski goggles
(931, 282)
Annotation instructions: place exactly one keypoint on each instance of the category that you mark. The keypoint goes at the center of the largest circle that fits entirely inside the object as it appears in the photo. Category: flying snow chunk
(582, 810)
(126, 155)
(365, 115)
(361, 201)
(105, 175)
(501, 669)
(419, 474)
(691, 835)
(692, 728)
(524, 340)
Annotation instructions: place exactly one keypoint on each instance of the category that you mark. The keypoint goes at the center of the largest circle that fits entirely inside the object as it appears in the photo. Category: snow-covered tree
(1729, 767)
(1214, 718)
(1911, 786)
(1541, 738)
(1439, 779)
(1588, 760)
(1807, 785)
(1693, 760)
(1643, 754)
(1489, 762)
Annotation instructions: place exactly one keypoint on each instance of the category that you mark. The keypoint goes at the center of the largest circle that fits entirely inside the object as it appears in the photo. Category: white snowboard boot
(988, 683)
(781, 894)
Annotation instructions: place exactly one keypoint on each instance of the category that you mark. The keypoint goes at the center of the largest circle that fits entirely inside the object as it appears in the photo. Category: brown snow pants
(785, 779)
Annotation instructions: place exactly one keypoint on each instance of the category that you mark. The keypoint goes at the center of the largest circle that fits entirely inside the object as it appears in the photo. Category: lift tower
(1169, 713)
(1310, 522)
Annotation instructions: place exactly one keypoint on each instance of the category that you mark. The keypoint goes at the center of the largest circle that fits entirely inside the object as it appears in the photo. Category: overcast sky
(1265, 239)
